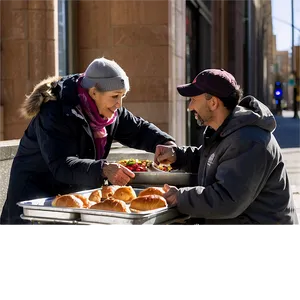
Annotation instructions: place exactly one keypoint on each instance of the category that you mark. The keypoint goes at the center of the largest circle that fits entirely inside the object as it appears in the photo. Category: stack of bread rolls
(115, 198)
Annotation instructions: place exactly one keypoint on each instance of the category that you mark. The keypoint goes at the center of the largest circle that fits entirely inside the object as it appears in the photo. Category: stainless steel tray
(160, 178)
(157, 216)
(38, 221)
(42, 208)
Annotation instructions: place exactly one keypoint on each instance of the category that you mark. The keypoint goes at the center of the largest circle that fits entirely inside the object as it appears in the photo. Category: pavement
(287, 134)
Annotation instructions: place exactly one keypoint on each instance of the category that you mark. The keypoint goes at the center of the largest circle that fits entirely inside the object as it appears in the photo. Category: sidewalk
(287, 134)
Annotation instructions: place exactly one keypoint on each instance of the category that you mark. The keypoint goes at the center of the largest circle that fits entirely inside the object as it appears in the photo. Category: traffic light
(278, 92)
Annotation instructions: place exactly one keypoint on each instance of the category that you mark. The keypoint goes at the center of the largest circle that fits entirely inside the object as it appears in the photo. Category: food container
(40, 210)
(159, 178)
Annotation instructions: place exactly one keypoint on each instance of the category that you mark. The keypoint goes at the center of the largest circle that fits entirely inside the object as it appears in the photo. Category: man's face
(200, 106)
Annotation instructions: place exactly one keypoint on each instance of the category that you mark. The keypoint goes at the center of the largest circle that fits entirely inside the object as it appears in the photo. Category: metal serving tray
(176, 178)
(157, 216)
(42, 208)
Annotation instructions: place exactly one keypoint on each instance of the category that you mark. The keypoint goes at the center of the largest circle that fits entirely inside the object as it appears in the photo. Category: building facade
(159, 43)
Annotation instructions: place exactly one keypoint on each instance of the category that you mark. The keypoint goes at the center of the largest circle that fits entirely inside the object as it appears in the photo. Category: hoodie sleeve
(238, 181)
(58, 140)
(135, 132)
(187, 159)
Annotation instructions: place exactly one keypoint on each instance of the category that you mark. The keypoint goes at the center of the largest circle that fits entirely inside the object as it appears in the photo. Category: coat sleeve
(58, 140)
(187, 159)
(239, 179)
(135, 132)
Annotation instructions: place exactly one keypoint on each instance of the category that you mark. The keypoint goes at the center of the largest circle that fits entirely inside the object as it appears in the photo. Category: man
(241, 174)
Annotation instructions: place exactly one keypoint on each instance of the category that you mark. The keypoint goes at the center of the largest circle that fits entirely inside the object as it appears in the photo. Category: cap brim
(189, 90)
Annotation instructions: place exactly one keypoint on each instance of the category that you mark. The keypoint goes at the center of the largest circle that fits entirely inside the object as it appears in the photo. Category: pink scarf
(97, 123)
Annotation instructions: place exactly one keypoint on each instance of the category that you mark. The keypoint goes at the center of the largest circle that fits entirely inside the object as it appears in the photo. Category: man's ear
(214, 103)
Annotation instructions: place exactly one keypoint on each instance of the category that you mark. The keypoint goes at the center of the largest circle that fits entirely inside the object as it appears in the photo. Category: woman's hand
(117, 174)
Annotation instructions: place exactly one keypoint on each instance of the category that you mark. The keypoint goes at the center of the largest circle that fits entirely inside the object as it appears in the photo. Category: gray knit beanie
(106, 74)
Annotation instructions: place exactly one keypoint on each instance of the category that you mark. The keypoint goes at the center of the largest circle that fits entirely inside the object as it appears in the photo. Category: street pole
(295, 104)
(250, 73)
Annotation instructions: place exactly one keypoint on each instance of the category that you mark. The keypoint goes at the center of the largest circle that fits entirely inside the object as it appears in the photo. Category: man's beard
(200, 121)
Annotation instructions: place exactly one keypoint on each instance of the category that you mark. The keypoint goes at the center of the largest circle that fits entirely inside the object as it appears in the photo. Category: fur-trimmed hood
(42, 92)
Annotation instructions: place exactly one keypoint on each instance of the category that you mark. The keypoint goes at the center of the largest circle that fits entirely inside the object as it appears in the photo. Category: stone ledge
(8, 149)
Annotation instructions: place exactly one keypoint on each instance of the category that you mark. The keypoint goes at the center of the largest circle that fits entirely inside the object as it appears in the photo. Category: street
(287, 134)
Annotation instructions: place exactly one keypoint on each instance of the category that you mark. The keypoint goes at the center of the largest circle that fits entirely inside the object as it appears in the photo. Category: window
(62, 37)
(198, 56)
(191, 62)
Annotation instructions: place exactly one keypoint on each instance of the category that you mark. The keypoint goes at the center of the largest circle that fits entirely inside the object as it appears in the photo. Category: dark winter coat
(57, 154)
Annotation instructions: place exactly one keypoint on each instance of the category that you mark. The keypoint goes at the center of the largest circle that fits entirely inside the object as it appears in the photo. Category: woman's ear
(92, 92)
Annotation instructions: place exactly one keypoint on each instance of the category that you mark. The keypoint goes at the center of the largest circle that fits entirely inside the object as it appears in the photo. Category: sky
(281, 9)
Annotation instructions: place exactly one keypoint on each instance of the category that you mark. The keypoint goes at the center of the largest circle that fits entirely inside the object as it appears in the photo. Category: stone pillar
(177, 73)
(1, 122)
(27, 56)
(138, 35)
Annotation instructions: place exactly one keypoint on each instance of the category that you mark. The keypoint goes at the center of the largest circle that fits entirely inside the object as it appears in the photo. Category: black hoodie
(241, 174)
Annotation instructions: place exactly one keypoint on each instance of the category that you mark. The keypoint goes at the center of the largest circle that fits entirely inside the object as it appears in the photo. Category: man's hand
(171, 194)
(117, 174)
(164, 155)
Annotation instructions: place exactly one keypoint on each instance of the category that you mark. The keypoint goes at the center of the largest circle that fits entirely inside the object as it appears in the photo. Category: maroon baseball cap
(216, 82)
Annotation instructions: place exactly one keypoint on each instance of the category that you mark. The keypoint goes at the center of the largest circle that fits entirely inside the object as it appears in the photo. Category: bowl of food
(136, 165)
(161, 167)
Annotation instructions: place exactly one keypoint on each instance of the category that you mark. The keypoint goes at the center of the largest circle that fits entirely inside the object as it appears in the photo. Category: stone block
(37, 4)
(50, 25)
(139, 12)
(50, 58)
(15, 131)
(37, 60)
(37, 24)
(137, 35)
(14, 24)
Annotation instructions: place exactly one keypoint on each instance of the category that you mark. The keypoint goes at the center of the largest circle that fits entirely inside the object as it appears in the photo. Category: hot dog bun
(108, 190)
(148, 202)
(111, 205)
(125, 193)
(95, 196)
(152, 191)
(67, 201)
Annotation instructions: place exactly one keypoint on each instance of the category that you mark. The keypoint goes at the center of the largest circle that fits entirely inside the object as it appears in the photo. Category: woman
(74, 120)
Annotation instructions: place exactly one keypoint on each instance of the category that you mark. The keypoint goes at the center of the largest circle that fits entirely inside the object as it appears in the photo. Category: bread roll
(95, 196)
(67, 201)
(108, 190)
(91, 203)
(152, 191)
(84, 199)
(148, 202)
(125, 193)
(111, 205)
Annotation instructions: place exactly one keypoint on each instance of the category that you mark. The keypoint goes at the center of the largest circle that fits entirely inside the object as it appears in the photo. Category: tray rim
(106, 213)
(143, 219)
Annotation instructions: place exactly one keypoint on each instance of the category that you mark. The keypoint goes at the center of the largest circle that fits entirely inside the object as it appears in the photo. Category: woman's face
(107, 102)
